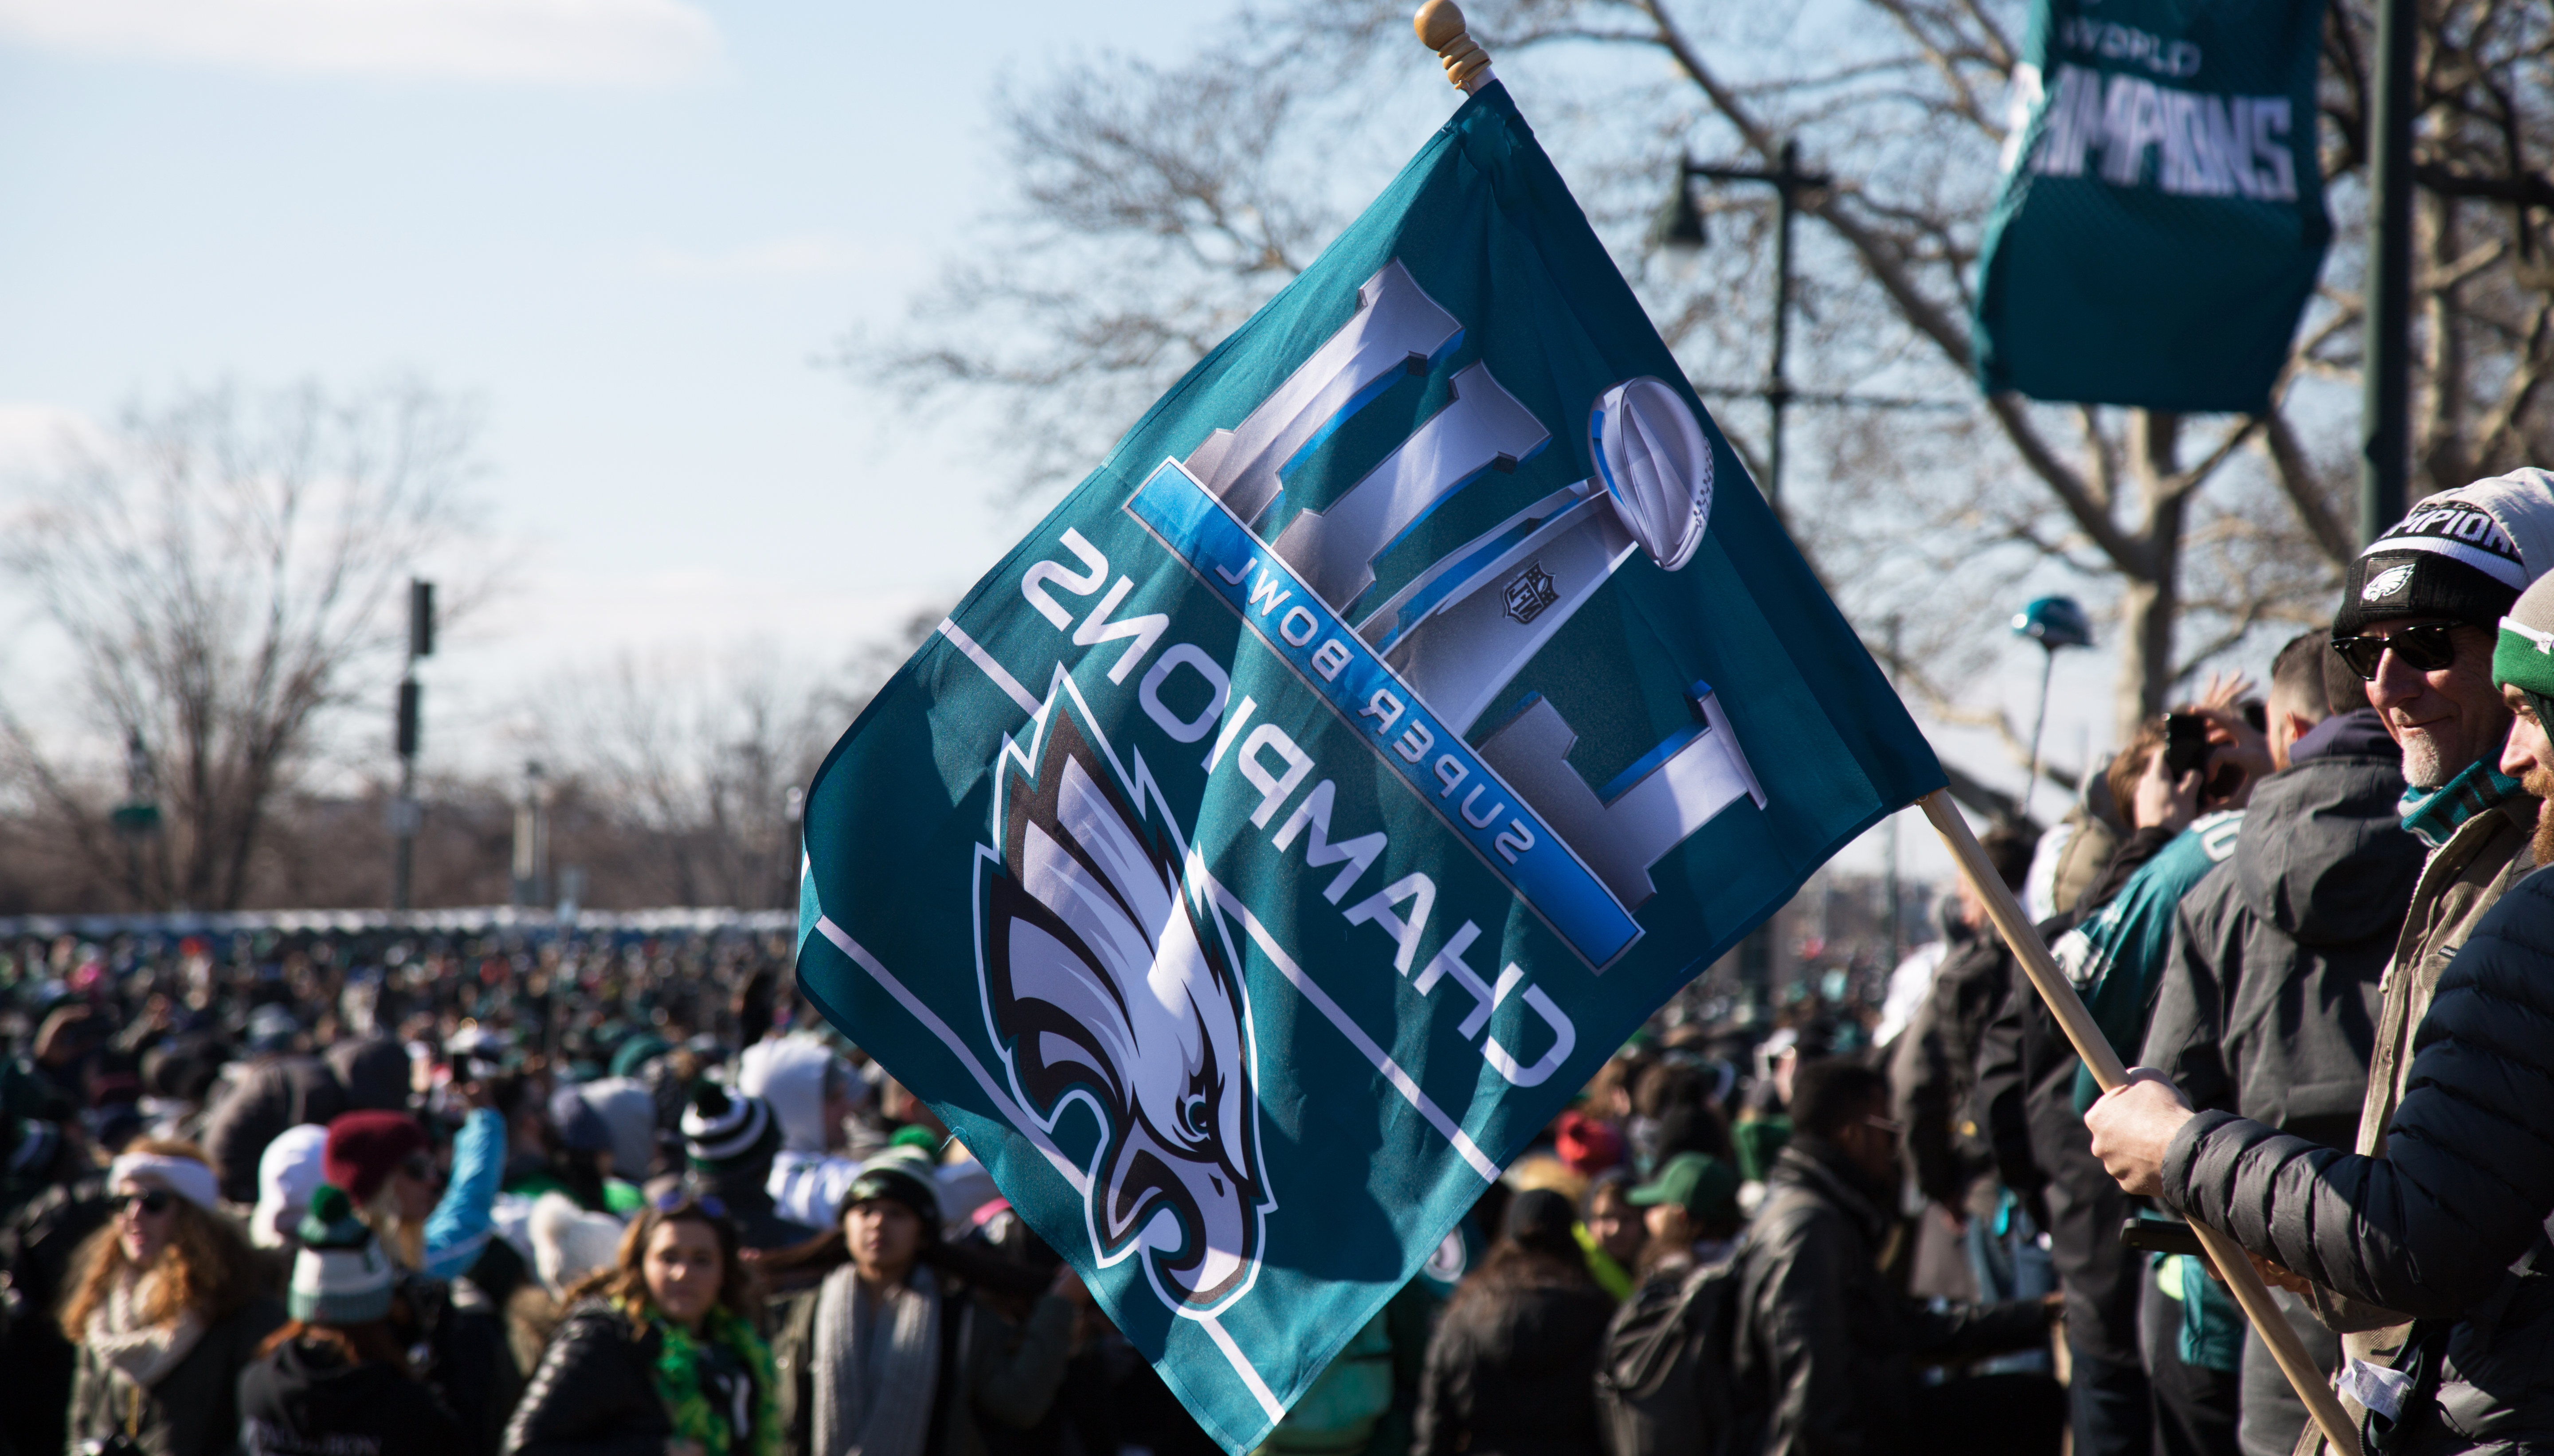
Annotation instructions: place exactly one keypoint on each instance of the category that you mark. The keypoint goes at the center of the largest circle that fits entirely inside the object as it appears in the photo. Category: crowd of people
(366, 1195)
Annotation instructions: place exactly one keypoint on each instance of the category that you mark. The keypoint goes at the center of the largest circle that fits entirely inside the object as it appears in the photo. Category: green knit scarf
(677, 1377)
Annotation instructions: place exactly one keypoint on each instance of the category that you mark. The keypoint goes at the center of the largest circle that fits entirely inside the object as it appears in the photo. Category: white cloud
(569, 42)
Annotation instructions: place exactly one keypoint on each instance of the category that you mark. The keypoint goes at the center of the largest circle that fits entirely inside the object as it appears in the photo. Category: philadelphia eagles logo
(2385, 583)
(1103, 985)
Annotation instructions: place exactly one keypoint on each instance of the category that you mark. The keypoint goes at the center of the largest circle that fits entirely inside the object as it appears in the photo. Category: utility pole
(2385, 411)
(405, 814)
(1681, 226)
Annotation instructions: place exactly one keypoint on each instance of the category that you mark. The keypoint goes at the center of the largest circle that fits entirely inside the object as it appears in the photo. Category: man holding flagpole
(2407, 1245)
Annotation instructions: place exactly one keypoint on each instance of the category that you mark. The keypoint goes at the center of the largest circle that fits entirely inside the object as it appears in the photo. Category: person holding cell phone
(167, 1309)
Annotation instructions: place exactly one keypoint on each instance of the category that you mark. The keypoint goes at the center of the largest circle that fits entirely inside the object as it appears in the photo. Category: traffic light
(420, 619)
(408, 706)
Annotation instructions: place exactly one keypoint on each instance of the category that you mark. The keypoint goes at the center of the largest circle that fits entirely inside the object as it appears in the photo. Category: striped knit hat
(722, 1126)
(2524, 656)
(340, 1276)
(2463, 554)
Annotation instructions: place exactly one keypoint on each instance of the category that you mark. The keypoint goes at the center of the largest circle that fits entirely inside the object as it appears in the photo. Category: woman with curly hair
(657, 1355)
(166, 1308)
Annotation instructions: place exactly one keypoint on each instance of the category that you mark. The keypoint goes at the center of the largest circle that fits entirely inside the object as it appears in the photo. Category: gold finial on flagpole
(1440, 23)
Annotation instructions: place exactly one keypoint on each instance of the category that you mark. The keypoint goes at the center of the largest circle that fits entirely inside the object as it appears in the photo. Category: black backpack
(1662, 1385)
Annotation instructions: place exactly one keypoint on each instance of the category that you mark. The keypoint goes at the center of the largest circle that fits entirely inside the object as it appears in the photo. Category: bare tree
(1148, 221)
(698, 759)
(224, 569)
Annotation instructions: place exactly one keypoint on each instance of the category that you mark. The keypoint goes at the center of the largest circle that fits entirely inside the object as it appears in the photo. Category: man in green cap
(1690, 1208)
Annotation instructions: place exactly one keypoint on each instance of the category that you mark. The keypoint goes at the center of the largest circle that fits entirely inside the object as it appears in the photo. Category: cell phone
(2186, 743)
(2158, 1236)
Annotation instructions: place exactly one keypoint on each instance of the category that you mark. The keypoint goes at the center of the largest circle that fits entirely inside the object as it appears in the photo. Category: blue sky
(629, 227)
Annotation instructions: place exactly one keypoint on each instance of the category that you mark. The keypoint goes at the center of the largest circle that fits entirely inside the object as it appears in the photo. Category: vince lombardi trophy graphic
(1460, 632)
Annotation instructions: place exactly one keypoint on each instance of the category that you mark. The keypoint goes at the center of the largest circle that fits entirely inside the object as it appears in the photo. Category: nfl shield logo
(1531, 591)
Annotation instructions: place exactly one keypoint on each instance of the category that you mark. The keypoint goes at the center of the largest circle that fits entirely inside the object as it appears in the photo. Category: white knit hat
(286, 1174)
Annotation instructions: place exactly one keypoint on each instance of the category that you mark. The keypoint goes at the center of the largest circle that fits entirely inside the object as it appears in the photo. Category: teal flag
(2162, 221)
(1266, 849)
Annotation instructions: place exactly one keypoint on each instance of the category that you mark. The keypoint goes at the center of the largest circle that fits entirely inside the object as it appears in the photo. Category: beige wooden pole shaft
(2232, 1265)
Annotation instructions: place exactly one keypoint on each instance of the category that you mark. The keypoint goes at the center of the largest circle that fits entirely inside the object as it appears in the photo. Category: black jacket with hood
(2268, 1005)
(1825, 1356)
(2449, 1223)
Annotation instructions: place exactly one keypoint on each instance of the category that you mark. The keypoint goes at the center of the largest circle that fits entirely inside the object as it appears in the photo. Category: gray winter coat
(2268, 1005)
(2449, 1223)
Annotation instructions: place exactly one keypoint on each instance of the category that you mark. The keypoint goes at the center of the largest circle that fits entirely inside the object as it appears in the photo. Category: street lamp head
(2054, 623)
(1678, 224)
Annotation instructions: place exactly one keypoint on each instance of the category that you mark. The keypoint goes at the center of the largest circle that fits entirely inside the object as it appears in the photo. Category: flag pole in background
(2232, 1265)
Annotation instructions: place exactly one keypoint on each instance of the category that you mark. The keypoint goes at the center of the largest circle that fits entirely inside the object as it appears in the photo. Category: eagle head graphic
(1102, 984)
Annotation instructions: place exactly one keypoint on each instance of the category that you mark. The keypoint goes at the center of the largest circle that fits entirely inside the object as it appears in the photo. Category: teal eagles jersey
(2116, 958)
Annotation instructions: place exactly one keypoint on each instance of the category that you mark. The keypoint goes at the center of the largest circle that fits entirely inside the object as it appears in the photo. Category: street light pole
(2385, 420)
(1682, 226)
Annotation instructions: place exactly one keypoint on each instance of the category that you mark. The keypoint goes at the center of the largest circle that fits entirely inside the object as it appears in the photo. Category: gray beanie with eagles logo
(2462, 555)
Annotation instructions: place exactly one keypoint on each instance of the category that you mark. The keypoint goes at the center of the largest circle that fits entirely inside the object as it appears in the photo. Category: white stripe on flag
(1001, 1100)
(1383, 1062)
(994, 670)
(1242, 1366)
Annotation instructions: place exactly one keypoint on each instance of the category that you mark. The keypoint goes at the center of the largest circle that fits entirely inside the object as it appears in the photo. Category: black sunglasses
(2424, 648)
(149, 1200)
(674, 1200)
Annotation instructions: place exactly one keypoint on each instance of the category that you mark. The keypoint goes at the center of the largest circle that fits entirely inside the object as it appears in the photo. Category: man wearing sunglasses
(2440, 1216)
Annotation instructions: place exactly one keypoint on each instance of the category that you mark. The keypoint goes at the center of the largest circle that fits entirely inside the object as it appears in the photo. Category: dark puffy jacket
(2450, 1224)
(2268, 1005)
(1512, 1372)
(305, 1400)
(1827, 1350)
(595, 1392)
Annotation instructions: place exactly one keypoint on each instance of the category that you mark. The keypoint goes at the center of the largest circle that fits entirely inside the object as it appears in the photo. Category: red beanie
(1586, 1146)
(366, 1148)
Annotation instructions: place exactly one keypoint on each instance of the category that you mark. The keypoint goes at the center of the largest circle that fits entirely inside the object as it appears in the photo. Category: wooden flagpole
(2232, 1265)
